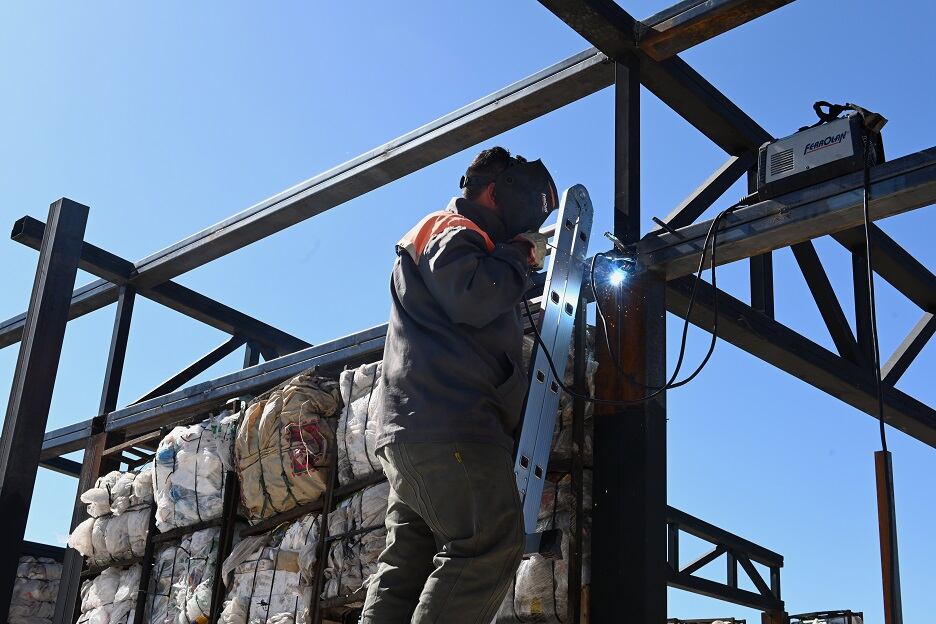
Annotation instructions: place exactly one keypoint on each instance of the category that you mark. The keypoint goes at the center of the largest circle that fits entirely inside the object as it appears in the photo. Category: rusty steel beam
(690, 23)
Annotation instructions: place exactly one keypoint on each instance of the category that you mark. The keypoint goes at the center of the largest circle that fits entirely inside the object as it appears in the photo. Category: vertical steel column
(887, 527)
(629, 518)
(761, 268)
(579, 376)
(94, 463)
(862, 310)
(118, 349)
(251, 354)
(225, 541)
(778, 616)
(34, 379)
(627, 151)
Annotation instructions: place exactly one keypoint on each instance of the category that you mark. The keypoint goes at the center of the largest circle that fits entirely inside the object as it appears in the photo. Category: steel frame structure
(630, 443)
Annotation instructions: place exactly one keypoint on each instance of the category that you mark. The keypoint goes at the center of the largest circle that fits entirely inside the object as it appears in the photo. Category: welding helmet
(524, 192)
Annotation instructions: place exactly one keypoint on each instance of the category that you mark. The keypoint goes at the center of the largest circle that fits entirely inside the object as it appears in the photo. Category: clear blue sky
(168, 117)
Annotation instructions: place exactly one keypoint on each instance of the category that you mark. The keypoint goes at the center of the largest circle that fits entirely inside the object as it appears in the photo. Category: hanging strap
(347, 412)
(826, 111)
(370, 396)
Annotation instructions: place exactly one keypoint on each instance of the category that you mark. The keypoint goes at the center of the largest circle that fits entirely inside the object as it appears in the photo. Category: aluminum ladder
(561, 295)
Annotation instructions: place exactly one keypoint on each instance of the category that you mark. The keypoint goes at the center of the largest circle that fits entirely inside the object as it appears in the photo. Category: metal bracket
(560, 303)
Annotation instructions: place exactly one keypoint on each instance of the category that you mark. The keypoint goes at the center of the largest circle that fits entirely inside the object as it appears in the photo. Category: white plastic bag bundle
(34, 591)
(342, 574)
(119, 506)
(182, 578)
(118, 491)
(269, 577)
(540, 589)
(352, 559)
(357, 428)
(110, 597)
(112, 538)
(189, 472)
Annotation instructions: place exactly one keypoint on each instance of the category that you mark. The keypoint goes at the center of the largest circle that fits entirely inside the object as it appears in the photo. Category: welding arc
(711, 235)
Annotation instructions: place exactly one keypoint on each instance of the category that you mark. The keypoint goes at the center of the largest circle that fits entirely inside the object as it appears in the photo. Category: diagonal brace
(829, 307)
(898, 363)
(194, 369)
(708, 192)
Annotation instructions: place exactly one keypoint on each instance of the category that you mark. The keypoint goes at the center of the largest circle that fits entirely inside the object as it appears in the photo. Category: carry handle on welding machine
(561, 295)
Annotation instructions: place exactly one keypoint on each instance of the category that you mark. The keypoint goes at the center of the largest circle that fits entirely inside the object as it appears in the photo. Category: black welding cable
(872, 305)
(711, 235)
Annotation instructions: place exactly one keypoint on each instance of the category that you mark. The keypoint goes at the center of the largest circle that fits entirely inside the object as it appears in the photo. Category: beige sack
(285, 445)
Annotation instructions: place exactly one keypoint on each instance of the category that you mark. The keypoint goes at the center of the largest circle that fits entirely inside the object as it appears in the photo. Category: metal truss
(736, 551)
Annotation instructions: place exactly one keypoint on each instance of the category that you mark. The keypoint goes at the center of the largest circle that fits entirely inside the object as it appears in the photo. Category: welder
(453, 390)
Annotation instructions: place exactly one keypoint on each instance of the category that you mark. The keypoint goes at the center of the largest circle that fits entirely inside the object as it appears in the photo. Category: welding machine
(832, 147)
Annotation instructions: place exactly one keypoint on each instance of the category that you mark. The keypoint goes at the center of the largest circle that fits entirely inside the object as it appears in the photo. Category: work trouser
(454, 535)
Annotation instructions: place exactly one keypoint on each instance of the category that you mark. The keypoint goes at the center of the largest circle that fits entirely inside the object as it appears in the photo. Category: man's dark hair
(487, 164)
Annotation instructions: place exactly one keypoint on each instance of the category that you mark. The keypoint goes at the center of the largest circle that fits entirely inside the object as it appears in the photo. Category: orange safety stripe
(417, 239)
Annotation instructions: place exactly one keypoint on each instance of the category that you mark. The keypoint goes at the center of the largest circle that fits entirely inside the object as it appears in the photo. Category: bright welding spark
(617, 276)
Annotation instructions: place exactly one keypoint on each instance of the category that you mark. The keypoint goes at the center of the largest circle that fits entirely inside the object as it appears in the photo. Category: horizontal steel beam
(689, 23)
(714, 589)
(789, 351)
(183, 404)
(898, 186)
(552, 88)
(168, 409)
(86, 299)
(612, 30)
(36, 549)
(117, 271)
(67, 439)
(67, 467)
(547, 90)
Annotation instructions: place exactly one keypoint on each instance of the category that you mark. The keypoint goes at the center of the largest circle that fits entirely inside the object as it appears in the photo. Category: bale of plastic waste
(34, 590)
(540, 589)
(189, 471)
(182, 579)
(352, 558)
(357, 427)
(110, 597)
(118, 491)
(269, 577)
(284, 445)
(119, 505)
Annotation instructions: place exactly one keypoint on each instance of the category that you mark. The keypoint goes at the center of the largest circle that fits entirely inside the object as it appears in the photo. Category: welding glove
(537, 244)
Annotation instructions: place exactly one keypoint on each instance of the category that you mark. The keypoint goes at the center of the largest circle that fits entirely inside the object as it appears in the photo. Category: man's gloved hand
(537, 246)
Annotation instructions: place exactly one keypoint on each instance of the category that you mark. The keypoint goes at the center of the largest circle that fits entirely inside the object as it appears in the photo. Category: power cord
(711, 235)
(872, 305)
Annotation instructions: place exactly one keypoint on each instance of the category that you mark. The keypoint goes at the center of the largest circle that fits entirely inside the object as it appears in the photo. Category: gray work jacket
(452, 367)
